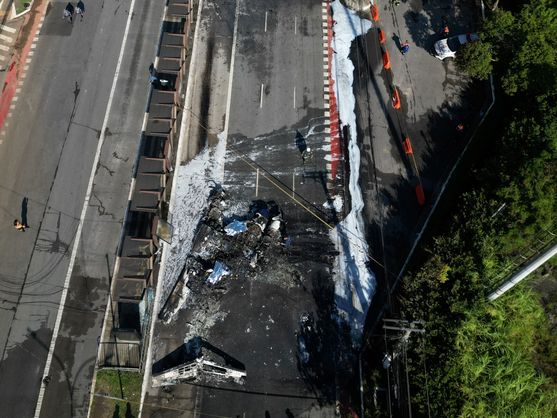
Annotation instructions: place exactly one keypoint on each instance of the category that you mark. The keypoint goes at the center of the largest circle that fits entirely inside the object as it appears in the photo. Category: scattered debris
(241, 247)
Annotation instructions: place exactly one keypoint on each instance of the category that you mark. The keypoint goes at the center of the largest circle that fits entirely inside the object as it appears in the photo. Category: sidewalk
(16, 37)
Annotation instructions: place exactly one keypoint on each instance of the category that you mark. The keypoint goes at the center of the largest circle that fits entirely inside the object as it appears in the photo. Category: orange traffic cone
(386, 60)
(407, 146)
(396, 98)
(375, 13)
(382, 37)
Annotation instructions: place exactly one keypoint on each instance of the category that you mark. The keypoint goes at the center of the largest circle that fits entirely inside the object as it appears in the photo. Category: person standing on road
(405, 47)
(80, 9)
(19, 226)
(68, 12)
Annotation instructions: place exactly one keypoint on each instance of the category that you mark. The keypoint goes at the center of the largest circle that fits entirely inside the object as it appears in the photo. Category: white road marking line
(5, 37)
(12, 106)
(33, 46)
(7, 29)
(3, 57)
(4, 48)
(77, 239)
(266, 14)
(295, 25)
(30, 53)
(294, 97)
(261, 97)
(26, 67)
(35, 39)
(28, 60)
(15, 99)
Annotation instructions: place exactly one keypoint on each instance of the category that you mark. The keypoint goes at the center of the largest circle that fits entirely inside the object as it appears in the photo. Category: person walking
(80, 9)
(405, 47)
(19, 226)
(68, 13)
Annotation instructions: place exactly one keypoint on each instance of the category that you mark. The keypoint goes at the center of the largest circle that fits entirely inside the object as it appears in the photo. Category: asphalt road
(46, 162)
(276, 96)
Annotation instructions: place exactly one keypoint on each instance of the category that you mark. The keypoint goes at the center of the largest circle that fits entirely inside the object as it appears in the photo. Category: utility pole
(408, 327)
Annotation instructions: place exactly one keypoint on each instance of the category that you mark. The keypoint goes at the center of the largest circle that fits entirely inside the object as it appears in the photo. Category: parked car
(446, 48)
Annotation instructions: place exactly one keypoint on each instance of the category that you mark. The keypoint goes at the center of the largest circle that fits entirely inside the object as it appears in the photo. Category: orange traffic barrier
(407, 146)
(396, 98)
(420, 194)
(382, 37)
(386, 60)
(375, 13)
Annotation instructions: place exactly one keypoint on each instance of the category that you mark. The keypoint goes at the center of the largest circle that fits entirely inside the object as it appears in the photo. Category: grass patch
(118, 384)
(20, 5)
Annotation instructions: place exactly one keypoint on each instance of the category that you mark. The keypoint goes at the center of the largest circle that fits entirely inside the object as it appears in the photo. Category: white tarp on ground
(195, 181)
(354, 282)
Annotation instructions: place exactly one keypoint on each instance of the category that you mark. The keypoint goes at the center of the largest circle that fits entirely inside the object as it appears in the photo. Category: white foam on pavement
(195, 181)
(354, 282)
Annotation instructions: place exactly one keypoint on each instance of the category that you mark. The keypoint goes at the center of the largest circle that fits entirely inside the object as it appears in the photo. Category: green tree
(493, 363)
(475, 59)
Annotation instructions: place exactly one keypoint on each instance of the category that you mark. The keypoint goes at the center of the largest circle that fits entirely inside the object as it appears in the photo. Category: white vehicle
(446, 48)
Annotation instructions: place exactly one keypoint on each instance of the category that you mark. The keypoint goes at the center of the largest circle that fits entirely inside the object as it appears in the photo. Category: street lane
(279, 47)
(47, 158)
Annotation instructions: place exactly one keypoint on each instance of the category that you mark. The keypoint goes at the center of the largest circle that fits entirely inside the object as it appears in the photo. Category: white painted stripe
(33, 46)
(3, 57)
(15, 99)
(9, 115)
(31, 53)
(77, 238)
(327, 114)
(36, 39)
(4, 48)
(5, 37)
(12, 106)
(294, 97)
(7, 29)
(26, 67)
(261, 97)
(266, 14)
(28, 60)
(295, 25)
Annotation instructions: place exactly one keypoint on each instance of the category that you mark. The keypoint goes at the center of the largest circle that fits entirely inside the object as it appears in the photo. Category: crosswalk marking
(4, 48)
(7, 29)
(5, 37)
